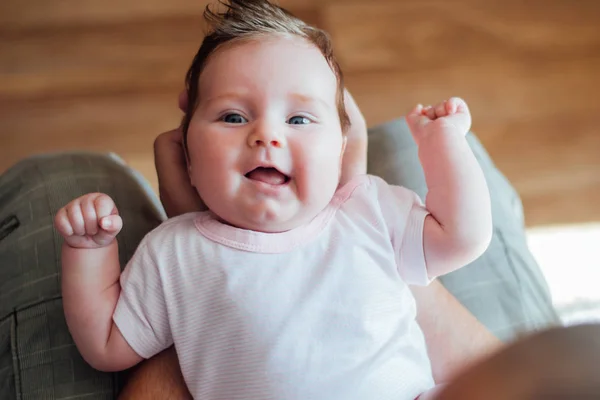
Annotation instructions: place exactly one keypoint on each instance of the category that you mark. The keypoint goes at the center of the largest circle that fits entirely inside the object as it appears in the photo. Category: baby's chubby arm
(90, 280)
(459, 228)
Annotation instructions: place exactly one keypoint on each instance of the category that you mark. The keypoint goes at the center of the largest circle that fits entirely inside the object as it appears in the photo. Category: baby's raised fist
(450, 116)
(89, 222)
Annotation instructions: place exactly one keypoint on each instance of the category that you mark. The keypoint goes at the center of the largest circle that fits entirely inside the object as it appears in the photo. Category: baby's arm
(90, 280)
(459, 228)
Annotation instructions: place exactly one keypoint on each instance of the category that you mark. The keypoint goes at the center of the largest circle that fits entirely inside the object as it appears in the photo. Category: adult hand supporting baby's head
(354, 162)
(177, 195)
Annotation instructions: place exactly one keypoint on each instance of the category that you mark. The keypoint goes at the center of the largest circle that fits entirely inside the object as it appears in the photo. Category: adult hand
(177, 194)
(354, 162)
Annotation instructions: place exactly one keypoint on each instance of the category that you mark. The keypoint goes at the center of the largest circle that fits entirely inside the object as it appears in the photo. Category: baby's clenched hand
(89, 222)
(449, 116)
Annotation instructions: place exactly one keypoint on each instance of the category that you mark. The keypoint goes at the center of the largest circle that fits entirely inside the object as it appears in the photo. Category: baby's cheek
(317, 167)
(209, 181)
(323, 180)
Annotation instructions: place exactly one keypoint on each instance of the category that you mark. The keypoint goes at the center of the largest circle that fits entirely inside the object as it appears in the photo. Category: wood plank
(36, 14)
(552, 160)
(145, 55)
(39, 14)
(560, 208)
(429, 34)
(497, 92)
(125, 124)
(122, 57)
(129, 121)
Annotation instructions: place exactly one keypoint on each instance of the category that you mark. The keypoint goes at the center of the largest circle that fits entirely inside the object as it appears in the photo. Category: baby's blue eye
(234, 119)
(298, 120)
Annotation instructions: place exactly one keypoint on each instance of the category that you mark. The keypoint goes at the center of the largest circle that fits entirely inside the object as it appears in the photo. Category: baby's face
(265, 142)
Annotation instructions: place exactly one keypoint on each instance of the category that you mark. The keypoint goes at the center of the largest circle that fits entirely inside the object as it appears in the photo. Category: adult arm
(455, 338)
(355, 156)
(158, 378)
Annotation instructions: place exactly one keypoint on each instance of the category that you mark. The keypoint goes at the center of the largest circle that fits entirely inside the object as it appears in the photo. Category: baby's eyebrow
(226, 96)
(309, 99)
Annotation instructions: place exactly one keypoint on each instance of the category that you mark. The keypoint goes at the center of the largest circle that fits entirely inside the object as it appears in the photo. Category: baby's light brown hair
(251, 19)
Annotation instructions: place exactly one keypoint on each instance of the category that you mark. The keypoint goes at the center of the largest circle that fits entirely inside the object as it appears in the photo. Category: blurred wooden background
(104, 75)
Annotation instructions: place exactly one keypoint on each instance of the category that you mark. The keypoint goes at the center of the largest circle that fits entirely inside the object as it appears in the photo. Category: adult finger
(176, 192)
(183, 100)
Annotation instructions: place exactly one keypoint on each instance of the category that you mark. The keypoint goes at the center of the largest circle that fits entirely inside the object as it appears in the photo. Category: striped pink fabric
(319, 312)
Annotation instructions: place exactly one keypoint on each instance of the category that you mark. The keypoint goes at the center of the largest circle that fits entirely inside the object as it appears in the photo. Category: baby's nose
(265, 138)
(273, 143)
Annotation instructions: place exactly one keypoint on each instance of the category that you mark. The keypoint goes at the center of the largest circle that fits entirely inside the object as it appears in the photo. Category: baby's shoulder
(369, 193)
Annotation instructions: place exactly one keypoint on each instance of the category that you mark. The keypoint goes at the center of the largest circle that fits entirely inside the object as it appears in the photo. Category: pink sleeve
(405, 214)
(141, 312)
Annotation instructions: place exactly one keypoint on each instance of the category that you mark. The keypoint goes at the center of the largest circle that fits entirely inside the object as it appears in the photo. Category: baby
(291, 286)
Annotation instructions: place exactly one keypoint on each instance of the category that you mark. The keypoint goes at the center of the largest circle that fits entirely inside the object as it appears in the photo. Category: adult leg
(559, 363)
(37, 356)
(504, 288)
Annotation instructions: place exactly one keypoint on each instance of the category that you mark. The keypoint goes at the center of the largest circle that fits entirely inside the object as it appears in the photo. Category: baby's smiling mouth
(268, 175)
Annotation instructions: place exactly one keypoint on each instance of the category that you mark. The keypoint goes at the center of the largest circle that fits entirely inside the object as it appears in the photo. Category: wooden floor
(104, 75)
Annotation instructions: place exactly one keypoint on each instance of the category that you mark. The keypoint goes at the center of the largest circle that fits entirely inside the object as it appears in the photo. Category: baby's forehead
(266, 61)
